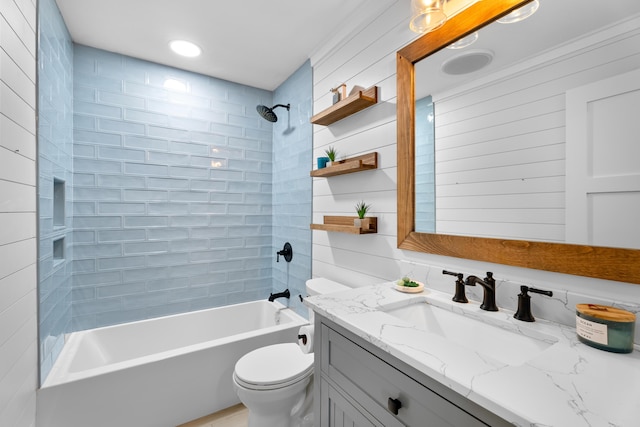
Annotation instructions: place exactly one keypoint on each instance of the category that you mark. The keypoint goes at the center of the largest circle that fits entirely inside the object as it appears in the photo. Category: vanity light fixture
(521, 14)
(428, 15)
(185, 48)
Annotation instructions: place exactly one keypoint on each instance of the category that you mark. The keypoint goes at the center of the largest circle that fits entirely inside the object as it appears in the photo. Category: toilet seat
(272, 367)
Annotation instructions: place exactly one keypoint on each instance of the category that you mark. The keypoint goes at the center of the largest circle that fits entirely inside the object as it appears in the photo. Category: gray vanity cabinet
(359, 385)
(341, 411)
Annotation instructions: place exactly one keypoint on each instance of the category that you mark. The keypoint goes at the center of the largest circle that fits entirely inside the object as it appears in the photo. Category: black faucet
(524, 303)
(489, 285)
(460, 295)
(285, 294)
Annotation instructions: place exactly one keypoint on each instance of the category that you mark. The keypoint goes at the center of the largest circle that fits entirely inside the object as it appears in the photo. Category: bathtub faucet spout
(285, 294)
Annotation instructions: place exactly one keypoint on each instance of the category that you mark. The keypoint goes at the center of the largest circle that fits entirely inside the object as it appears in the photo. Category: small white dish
(411, 289)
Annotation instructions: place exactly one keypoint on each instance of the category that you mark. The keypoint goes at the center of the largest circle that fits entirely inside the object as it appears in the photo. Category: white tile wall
(18, 302)
(366, 57)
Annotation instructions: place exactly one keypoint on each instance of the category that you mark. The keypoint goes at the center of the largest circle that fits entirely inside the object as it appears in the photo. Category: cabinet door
(337, 411)
(372, 383)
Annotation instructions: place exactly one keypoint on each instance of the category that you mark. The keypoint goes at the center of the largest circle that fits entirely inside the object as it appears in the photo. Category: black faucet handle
(451, 273)
(524, 303)
(537, 291)
(460, 295)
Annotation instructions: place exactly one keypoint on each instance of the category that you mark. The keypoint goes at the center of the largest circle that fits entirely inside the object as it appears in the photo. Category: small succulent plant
(331, 153)
(408, 282)
(362, 208)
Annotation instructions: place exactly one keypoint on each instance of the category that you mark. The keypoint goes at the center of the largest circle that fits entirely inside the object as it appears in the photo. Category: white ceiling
(261, 43)
(556, 22)
(254, 42)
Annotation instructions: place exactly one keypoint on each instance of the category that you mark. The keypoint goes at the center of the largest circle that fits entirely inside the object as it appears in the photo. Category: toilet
(275, 382)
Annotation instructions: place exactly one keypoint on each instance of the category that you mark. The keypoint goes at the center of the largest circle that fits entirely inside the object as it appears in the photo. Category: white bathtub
(158, 372)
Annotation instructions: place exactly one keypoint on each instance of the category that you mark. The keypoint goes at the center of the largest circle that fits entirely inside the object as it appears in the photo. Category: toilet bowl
(275, 382)
(272, 383)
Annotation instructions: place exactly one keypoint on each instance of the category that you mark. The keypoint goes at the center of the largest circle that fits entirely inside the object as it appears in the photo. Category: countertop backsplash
(560, 308)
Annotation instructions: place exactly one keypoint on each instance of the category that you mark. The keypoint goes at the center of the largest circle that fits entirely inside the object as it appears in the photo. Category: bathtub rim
(61, 375)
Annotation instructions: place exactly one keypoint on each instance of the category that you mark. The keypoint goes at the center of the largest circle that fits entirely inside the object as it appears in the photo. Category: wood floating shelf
(344, 224)
(354, 164)
(346, 107)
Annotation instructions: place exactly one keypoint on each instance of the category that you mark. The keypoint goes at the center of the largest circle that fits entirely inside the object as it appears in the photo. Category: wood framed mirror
(591, 261)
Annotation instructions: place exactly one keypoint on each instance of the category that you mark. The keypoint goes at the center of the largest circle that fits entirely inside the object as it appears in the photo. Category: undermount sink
(510, 347)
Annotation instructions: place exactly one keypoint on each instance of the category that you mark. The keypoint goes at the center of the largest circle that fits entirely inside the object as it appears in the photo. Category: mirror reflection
(529, 133)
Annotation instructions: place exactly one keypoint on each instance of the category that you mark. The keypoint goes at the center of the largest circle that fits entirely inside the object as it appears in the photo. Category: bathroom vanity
(386, 358)
(361, 386)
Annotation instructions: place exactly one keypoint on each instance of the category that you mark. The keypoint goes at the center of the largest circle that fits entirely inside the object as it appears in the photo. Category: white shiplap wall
(365, 57)
(501, 144)
(18, 301)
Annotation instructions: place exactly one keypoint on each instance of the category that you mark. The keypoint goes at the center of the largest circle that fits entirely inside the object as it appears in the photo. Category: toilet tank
(321, 286)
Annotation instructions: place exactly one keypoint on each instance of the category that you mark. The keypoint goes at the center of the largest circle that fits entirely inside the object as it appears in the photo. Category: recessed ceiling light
(468, 62)
(185, 48)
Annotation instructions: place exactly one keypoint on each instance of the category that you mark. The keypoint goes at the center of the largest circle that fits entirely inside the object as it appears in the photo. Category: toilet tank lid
(320, 285)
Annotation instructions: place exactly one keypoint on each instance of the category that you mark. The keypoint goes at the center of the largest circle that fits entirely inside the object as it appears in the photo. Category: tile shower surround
(55, 164)
(292, 185)
(172, 206)
(168, 194)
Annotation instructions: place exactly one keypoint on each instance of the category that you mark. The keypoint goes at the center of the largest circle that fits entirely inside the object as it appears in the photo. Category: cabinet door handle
(393, 405)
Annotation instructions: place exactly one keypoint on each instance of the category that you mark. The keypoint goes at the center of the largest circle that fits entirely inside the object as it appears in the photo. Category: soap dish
(411, 289)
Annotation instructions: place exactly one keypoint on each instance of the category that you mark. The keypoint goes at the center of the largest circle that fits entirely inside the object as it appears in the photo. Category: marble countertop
(568, 384)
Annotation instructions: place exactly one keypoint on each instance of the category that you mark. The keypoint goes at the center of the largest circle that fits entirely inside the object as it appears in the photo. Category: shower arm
(281, 105)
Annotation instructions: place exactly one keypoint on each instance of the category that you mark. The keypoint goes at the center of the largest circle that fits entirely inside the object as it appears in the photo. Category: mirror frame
(591, 261)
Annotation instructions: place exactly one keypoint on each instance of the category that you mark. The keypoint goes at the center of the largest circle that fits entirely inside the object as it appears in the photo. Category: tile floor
(235, 416)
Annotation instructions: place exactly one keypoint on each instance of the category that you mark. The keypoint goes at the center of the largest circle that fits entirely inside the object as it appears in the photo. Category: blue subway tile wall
(293, 159)
(425, 165)
(172, 197)
(55, 147)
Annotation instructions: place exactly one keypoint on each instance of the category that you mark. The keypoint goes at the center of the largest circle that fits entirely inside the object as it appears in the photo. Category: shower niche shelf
(344, 224)
(354, 164)
(348, 106)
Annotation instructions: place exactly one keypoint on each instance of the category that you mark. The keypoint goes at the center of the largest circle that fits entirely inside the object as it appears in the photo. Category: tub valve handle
(286, 252)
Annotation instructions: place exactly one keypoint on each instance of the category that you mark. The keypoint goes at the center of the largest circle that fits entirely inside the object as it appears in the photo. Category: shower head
(268, 114)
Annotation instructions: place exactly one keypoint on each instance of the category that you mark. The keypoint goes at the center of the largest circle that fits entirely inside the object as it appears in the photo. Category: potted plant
(361, 209)
(331, 154)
